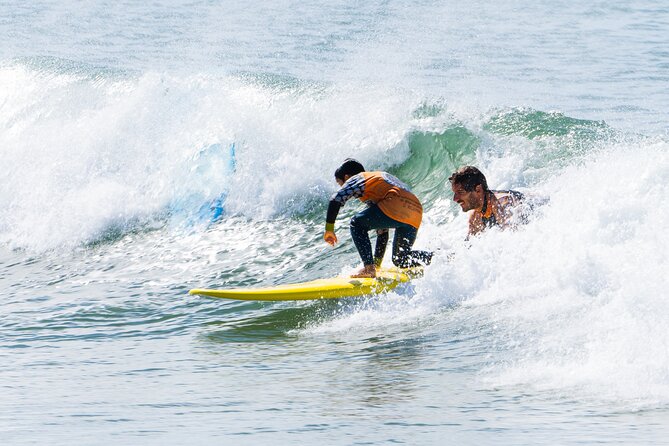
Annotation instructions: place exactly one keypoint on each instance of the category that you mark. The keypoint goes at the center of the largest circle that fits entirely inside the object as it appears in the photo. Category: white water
(119, 122)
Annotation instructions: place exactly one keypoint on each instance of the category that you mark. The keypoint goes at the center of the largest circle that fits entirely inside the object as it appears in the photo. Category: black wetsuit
(390, 205)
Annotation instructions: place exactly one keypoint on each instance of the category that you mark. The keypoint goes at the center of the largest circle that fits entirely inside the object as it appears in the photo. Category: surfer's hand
(330, 237)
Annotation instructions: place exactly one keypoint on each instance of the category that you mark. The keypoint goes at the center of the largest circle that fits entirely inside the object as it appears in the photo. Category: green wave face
(543, 142)
(434, 157)
(534, 124)
(550, 140)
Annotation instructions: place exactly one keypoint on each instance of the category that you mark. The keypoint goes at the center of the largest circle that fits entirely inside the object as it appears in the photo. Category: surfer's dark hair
(469, 177)
(350, 167)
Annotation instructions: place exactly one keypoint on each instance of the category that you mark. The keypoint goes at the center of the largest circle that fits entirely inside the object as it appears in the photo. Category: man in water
(390, 204)
(491, 207)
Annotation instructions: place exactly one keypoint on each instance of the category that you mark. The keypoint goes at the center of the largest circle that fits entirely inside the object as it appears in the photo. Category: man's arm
(353, 188)
(475, 224)
(331, 216)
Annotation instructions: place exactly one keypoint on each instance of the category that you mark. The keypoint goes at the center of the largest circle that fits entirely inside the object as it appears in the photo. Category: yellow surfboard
(333, 288)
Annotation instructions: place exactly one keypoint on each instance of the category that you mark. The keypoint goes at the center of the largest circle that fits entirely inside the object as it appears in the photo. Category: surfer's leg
(402, 243)
(382, 237)
(403, 255)
(361, 224)
(359, 233)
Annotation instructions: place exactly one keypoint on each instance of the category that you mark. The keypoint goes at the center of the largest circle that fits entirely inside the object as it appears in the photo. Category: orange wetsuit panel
(391, 195)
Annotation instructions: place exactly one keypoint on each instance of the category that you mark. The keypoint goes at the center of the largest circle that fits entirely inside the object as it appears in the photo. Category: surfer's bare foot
(366, 271)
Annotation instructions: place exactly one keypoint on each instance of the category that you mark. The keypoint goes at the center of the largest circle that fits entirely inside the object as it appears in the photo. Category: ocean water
(146, 149)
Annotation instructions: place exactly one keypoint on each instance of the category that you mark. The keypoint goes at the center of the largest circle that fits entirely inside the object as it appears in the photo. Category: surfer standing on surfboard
(390, 204)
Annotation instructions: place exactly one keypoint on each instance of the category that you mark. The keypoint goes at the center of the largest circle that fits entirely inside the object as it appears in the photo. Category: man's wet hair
(469, 177)
(350, 167)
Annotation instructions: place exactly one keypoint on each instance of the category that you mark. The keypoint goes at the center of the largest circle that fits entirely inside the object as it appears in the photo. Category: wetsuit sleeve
(353, 188)
(333, 210)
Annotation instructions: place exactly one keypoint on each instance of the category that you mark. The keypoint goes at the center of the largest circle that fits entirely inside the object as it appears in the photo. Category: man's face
(467, 200)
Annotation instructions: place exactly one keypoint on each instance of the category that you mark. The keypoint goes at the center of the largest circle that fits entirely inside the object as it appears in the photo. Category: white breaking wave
(578, 298)
(83, 153)
(575, 302)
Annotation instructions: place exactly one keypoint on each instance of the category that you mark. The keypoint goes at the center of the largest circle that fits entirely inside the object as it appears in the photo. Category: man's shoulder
(508, 197)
